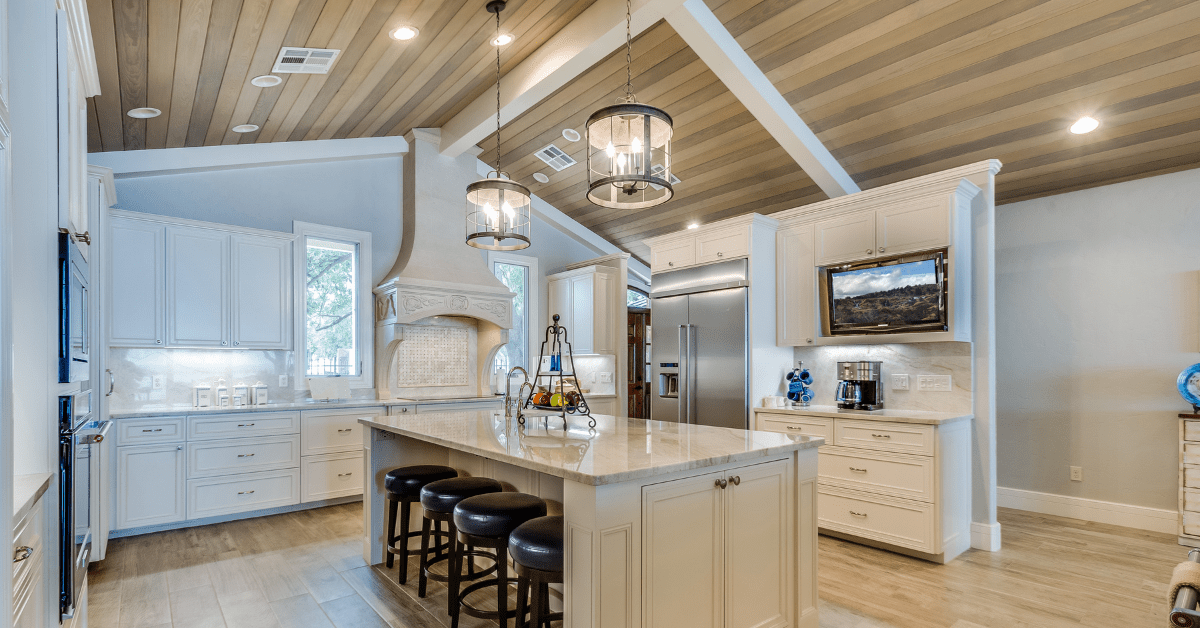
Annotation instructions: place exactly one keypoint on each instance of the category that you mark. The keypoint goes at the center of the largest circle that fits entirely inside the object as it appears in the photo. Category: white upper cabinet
(673, 255)
(136, 281)
(261, 271)
(723, 244)
(584, 300)
(583, 314)
(918, 225)
(846, 238)
(795, 290)
(197, 287)
(715, 242)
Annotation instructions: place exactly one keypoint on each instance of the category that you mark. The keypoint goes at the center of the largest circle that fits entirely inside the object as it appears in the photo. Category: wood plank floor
(305, 570)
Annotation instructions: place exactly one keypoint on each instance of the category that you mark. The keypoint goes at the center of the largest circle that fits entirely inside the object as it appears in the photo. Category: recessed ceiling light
(1085, 125)
(245, 128)
(266, 80)
(694, 225)
(503, 39)
(571, 135)
(540, 178)
(144, 112)
(404, 33)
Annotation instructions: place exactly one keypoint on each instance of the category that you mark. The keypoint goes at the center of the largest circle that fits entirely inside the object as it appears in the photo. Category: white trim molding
(533, 288)
(1140, 517)
(985, 536)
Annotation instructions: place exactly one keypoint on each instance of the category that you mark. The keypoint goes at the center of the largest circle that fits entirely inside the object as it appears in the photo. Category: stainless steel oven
(79, 435)
(73, 335)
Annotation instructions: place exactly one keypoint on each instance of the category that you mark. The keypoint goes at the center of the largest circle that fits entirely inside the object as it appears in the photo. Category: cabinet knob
(736, 480)
(881, 249)
(342, 475)
(868, 250)
(345, 430)
(223, 343)
(179, 448)
(721, 483)
(858, 514)
(158, 342)
(22, 553)
(237, 342)
(808, 340)
(670, 263)
(719, 254)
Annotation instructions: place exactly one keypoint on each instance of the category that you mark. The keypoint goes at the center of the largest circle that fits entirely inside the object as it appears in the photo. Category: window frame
(366, 300)
(534, 317)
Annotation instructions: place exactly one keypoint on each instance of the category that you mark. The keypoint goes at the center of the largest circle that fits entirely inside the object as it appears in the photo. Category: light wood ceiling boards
(193, 59)
(900, 88)
(728, 163)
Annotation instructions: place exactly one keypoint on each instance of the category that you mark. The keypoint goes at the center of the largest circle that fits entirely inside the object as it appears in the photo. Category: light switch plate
(900, 381)
(158, 382)
(935, 383)
(606, 378)
(283, 381)
(1076, 474)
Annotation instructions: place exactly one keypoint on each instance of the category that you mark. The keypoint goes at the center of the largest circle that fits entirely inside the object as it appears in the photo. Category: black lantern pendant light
(629, 147)
(497, 207)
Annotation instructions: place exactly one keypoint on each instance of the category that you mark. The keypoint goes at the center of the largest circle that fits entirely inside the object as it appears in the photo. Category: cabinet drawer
(464, 406)
(1191, 453)
(242, 455)
(408, 409)
(1191, 478)
(898, 475)
(792, 424)
(1191, 523)
(330, 476)
(722, 245)
(673, 255)
(1191, 430)
(225, 495)
(333, 432)
(898, 437)
(28, 533)
(241, 425)
(149, 431)
(1191, 501)
(886, 519)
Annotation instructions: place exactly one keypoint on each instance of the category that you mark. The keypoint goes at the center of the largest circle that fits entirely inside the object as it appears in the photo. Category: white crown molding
(736, 221)
(105, 175)
(1140, 517)
(161, 161)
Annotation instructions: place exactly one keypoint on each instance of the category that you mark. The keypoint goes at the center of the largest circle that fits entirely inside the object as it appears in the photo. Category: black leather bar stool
(438, 500)
(486, 521)
(536, 547)
(403, 486)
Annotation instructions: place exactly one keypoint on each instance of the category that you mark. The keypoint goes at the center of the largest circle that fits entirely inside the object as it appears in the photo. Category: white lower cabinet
(242, 455)
(332, 448)
(150, 485)
(602, 405)
(331, 475)
(710, 560)
(29, 591)
(209, 497)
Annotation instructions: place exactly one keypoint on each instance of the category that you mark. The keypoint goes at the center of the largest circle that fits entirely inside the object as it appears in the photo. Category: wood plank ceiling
(193, 59)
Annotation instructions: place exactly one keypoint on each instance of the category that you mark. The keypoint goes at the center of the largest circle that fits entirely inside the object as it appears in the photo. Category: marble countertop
(26, 491)
(163, 409)
(618, 450)
(923, 417)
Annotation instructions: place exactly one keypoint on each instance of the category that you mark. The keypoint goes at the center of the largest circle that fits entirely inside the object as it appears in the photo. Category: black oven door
(73, 355)
(76, 447)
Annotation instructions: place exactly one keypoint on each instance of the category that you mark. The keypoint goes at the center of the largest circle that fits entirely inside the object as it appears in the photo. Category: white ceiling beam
(713, 43)
(582, 43)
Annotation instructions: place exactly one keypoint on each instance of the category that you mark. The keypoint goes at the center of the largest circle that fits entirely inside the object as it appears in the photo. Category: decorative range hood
(436, 275)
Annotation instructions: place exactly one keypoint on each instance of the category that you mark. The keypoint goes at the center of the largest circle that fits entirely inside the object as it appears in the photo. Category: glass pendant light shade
(497, 214)
(629, 156)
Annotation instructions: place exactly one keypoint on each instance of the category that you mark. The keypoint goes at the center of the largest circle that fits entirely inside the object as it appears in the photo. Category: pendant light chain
(629, 95)
(498, 95)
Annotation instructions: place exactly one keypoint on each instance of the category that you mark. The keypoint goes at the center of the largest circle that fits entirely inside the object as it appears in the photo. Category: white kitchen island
(667, 525)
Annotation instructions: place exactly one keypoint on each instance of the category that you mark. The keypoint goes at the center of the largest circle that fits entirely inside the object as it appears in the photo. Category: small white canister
(258, 394)
(202, 396)
(241, 394)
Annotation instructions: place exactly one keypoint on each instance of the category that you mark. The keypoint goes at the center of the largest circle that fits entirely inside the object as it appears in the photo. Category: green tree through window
(330, 304)
(516, 277)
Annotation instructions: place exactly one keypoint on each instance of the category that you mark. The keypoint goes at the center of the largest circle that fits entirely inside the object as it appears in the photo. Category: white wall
(1098, 310)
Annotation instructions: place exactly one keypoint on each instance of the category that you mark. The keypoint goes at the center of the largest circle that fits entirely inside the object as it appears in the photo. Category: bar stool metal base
(533, 596)
(434, 519)
(404, 505)
(458, 598)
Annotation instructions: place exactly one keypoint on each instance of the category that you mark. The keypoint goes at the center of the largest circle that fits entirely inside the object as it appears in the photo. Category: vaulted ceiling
(893, 88)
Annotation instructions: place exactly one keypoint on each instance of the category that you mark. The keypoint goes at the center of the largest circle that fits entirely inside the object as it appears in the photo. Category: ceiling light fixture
(143, 113)
(497, 207)
(404, 33)
(245, 128)
(503, 39)
(1085, 124)
(694, 225)
(629, 147)
(540, 178)
(571, 135)
(266, 80)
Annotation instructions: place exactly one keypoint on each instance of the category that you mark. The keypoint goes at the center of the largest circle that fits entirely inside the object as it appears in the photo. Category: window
(333, 304)
(520, 274)
(637, 298)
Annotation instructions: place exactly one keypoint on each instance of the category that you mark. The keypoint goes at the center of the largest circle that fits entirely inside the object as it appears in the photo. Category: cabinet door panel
(261, 275)
(136, 278)
(913, 227)
(722, 245)
(559, 299)
(150, 485)
(673, 255)
(846, 238)
(197, 287)
(683, 552)
(583, 335)
(758, 542)
(796, 281)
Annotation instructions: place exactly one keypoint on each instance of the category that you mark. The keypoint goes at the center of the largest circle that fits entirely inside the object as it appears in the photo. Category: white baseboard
(985, 536)
(1140, 517)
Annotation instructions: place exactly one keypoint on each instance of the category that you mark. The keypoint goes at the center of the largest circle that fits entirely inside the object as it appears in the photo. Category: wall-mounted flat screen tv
(900, 295)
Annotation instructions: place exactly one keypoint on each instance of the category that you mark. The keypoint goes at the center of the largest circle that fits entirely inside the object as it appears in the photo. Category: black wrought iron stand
(553, 346)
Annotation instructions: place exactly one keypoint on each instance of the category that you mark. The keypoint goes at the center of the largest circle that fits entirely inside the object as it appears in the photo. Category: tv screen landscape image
(887, 297)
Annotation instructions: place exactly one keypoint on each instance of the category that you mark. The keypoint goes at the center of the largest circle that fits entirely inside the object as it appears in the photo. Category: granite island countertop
(619, 449)
(922, 417)
(165, 409)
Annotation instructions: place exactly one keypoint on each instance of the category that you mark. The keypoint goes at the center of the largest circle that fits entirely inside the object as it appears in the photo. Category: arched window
(637, 298)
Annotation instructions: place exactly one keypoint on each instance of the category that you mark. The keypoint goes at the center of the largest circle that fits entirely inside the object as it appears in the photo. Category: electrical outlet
(592, 377)
(158, 382)
(1076, 474)
(283, 381)
(936, 383)
(606, 378)
(899, 381)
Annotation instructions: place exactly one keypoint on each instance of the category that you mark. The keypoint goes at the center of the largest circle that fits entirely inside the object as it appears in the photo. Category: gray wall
(1097, 313)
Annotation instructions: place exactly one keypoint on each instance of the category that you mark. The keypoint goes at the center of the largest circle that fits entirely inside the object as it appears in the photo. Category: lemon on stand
(556, 400)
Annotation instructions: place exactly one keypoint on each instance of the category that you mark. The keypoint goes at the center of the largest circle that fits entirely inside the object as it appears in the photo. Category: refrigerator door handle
(684, 390)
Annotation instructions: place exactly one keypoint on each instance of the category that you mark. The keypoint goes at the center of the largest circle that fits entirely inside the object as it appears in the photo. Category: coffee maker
(860, 385)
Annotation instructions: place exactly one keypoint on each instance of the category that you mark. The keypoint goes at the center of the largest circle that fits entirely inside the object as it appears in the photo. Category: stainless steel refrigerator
(700, 345)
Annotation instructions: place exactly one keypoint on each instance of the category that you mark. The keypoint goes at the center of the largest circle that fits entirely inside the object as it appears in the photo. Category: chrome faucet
(508, 398)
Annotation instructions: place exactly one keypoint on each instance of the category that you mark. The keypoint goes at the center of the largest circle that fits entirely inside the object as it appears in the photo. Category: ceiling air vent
(657, 170)
(555, 158)
(305, 61)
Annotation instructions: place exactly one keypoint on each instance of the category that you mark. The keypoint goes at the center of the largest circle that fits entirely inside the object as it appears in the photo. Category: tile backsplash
(134, 371)
(921, 358)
